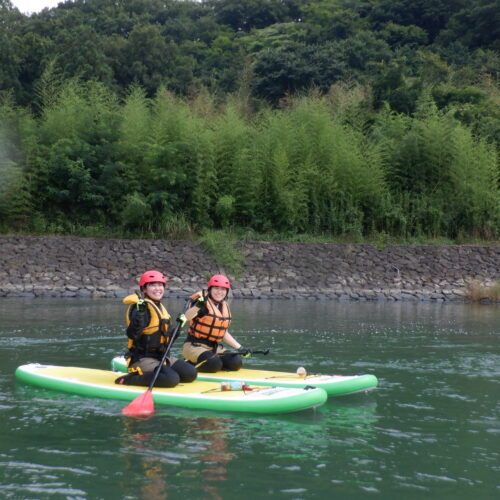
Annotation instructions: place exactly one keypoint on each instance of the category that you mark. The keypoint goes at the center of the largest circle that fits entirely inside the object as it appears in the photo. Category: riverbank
(32, 266)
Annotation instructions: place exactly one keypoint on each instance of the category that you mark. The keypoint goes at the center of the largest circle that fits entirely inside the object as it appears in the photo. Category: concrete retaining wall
(90, 267)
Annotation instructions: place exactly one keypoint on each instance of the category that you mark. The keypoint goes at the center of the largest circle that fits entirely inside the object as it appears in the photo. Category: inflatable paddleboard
(334, 385)
(198, 394)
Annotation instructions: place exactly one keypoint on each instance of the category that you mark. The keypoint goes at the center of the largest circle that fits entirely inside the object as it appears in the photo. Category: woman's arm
(192, 312)
(139, 319)
(230, 340)
(196, 308)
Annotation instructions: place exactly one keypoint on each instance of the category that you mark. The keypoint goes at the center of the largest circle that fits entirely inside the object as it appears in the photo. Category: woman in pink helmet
(148, 335)
(209, 319)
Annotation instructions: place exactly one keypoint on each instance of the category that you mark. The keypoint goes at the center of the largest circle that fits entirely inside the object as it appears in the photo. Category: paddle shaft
(164, 357)
(264, 352)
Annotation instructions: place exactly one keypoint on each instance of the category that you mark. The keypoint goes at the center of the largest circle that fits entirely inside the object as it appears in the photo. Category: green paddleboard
(198, 394)
(334, 385)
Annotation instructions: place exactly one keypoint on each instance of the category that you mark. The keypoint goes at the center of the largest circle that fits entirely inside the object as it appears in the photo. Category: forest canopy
(350, 118)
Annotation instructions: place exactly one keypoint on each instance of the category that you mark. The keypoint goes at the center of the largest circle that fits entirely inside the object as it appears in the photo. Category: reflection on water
(192, 449)
(430, 429)
(203, 453)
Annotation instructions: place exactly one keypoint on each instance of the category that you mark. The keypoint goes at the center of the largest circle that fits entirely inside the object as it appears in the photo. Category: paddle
(144, 404)
(265, 352)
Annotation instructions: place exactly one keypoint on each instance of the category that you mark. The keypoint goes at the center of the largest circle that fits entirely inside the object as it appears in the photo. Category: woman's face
(155, 290)
(218, 293)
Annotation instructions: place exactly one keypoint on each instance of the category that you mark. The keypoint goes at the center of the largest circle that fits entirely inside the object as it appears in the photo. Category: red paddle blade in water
(141, 405)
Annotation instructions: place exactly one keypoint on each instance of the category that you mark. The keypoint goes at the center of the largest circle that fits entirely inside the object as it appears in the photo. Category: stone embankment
(91, 267)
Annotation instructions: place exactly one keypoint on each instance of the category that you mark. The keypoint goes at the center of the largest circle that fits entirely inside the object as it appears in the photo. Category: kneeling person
(209, 319)
(149, 335)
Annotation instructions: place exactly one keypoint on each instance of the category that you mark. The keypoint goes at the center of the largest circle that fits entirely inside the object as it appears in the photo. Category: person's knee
(209, 363)
(232, 362)
(186, 371)
(170, 380)
(167, 379)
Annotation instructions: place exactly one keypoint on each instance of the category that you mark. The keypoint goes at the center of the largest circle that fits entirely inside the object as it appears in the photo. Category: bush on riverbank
(160, 166)
(478, 292)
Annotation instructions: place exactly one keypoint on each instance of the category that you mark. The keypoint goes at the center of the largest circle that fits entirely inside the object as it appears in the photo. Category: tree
(83, 56)
(10, 57)
(476, 25)
(145, 58)
(247, 14)
(333, 20)
(430, 15)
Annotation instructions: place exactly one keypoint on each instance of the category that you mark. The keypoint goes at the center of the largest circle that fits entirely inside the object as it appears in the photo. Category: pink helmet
(152, 277)
(219, 280)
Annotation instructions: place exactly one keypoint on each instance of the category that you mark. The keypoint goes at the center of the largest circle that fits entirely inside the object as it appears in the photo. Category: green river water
(430, 430)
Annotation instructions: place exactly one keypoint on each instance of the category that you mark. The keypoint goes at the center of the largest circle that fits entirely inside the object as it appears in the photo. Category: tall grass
(478, 292)
(317, 166)
(443, 179)
(221, 246)
(17, 130)
(317, 173)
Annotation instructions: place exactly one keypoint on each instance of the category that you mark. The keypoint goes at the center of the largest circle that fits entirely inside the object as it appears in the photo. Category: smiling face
(154, 290)
(218, 293)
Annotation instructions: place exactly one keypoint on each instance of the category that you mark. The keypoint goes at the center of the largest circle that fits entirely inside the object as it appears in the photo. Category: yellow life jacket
(214, 324)
(154, 335)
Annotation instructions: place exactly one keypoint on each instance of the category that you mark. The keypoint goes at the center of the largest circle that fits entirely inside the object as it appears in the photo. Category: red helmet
(152, 277)
(219, 280)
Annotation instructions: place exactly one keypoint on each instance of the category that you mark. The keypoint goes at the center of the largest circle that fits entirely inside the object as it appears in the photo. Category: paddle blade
(142, 405)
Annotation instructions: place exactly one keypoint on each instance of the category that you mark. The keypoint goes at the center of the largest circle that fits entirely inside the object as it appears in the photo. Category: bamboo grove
(144, 165)
(322, 119)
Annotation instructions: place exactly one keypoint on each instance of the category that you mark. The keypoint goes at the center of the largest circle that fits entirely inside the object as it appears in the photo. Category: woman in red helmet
(209, 319)
(148, 336)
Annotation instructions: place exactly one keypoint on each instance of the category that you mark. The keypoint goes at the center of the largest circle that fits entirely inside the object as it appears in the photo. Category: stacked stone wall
(91, 267)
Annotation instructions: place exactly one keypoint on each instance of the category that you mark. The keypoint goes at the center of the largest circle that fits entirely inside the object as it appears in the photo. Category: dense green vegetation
(325, 118)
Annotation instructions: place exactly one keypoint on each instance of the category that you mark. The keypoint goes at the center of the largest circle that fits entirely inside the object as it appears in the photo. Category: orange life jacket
(214, 324)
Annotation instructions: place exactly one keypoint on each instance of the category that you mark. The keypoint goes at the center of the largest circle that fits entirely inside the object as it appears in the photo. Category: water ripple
(429, 429)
